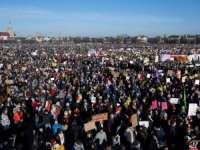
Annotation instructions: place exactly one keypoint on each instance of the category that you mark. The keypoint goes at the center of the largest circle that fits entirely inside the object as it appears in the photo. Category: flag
(184, 98)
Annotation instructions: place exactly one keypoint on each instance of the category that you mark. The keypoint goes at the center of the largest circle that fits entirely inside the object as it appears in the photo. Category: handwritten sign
(100, 117)
(170, 72)
(93, 99)
(9, 81)
(8, 66)
(168, 80)
(197, 82)
(174, 100)
(134, 120)
(154, 104)
(164, 105)
(144, 123)
(89, 126)
(192, 109)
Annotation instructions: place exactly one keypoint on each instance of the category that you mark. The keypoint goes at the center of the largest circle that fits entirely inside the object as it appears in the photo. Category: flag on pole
(184, 98)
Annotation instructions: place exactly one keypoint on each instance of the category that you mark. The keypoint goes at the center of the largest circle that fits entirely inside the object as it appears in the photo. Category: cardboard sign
(164, 105)
(9, 66)
(24, 68)
(192, 109)
(134, 120)
(174, 100)
(111, 68)
(170, 72)
(9, 81)
(154, 104)
(115, 74)
(144, 123)
(197, 82)
(121, 83)
(100, 117)
(89, 126)
(15, 62)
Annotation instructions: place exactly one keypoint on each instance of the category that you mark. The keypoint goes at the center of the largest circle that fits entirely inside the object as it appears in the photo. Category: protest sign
(9, 66)
(174, 100)
(93, 99)
(192, 109)
(1, 65)
(24, 68)
(164, 105)
(154, 104)
(89, 126)
(168, 80)
(144, 123)
(9, 81)
(115, 74)
(100, 117)
(197, 82)
(170, 72)
(148, 75)
(134, 120)
(183, 79)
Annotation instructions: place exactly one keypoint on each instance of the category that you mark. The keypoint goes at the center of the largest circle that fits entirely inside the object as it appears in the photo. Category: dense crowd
(49, 92)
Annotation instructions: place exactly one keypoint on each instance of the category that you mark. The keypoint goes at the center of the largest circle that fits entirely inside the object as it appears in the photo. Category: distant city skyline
(100, 18)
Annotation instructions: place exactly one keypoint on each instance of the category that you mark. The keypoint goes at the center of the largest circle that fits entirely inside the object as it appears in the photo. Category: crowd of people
(49, 92)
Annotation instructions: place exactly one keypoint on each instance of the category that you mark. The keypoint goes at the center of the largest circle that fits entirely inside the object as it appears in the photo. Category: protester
(145, 98)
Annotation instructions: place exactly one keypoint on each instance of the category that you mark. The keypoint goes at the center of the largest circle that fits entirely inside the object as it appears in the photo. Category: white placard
(144, 123)
(168, 80)
(131, 62)
(197, 65)
(127, 78)
(52, 79)
(191, 65)
(1, 65)
(148, 75)
(93, 99)
(192, 109)
(156, 58)
(174, 100)
(56, 69)
(197, 82)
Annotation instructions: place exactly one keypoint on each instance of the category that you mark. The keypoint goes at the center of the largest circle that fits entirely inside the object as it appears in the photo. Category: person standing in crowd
(55, 127)
(78, 145)
(130, 137)
(101, 139)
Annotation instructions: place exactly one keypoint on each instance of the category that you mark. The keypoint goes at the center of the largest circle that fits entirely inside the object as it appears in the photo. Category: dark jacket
(47, 118)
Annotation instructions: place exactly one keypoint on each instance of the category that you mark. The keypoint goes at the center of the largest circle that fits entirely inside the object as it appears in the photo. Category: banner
(100, 117)
(164, 57)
